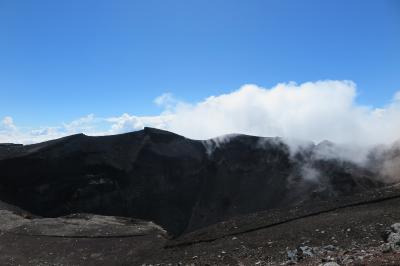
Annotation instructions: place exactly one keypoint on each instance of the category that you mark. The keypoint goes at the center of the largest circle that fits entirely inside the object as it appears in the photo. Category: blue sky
(61, 60)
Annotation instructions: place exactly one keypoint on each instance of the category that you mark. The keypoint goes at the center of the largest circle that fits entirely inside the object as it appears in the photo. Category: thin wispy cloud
(8, 123)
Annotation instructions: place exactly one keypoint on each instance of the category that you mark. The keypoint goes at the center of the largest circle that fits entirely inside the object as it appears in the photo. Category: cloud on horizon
(310, 111)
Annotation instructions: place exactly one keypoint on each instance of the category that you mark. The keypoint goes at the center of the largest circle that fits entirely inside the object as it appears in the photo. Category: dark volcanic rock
(179, 183)
(149, 174)
(242, 177)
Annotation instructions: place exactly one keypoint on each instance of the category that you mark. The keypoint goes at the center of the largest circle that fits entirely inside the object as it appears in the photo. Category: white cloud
(8, 123)
(310, 111)
(165, 99)
(11, 133)
(396, 97)
(8, 130)
(126, 122)
(82, 124)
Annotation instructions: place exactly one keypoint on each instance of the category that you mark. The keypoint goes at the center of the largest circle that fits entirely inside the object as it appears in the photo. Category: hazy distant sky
(61, 60)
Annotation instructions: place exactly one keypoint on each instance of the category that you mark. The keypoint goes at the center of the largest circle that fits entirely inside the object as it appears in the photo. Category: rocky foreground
(155, 198)
(354, 231)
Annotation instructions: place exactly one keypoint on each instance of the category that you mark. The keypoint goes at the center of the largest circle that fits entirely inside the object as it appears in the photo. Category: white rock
(395, 227)
(386, 248)
(331, 264)
(394, 238)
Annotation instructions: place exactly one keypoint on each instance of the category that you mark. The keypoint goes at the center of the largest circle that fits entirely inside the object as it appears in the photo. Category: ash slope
(171, 180)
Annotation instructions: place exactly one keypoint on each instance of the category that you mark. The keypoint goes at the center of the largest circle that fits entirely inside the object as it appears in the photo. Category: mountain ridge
(174, 181)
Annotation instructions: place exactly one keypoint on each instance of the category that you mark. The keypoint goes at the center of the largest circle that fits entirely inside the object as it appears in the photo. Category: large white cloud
(310, 111)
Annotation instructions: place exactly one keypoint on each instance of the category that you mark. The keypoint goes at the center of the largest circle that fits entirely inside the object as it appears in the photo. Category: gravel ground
(347, 232)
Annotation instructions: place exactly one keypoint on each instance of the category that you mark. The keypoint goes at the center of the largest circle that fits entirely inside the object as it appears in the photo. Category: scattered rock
(386, 248)
(392, 238)
(395, 227)
(385, 234)
(330, 264)
(330, 248)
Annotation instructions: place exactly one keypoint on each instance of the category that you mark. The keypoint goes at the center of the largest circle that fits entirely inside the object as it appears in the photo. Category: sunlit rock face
(179, 183)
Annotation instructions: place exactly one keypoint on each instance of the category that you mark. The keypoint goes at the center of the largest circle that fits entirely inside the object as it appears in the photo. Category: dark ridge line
(207, 240)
